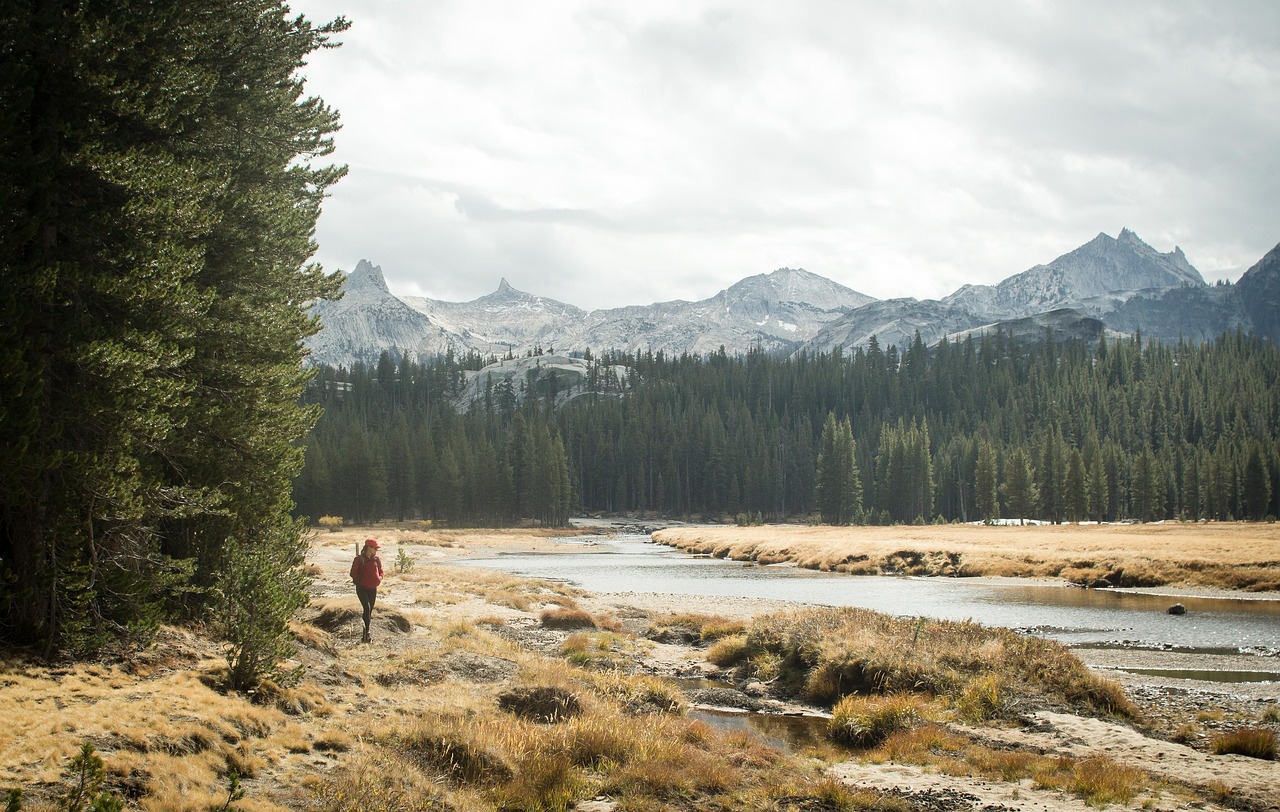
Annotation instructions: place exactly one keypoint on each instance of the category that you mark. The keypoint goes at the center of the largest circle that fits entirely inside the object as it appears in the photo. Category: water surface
(1072, 615)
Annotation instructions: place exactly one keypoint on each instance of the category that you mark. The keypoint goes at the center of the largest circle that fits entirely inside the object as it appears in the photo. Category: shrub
(259, 589)
(729, 651)
(1254, 742)
(866, 721)
(983, 698)
(404, 561)
(331, 523)
(86, 775)
(567, 618)
(542, 704)
(1101, 781)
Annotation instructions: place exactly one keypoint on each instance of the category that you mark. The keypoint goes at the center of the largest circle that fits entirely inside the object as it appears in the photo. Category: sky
(627, 152)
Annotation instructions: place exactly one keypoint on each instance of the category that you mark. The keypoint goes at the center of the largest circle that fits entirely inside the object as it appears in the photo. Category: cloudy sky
(625, 152)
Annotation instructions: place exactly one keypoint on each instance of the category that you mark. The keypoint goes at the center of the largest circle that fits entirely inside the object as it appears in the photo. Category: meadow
(1241, 556)
(485, 691)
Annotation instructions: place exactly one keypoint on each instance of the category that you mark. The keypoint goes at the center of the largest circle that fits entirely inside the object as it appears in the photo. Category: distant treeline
(980, 429)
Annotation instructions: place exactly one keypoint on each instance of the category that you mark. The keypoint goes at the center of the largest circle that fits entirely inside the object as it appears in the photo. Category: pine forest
(983, 429)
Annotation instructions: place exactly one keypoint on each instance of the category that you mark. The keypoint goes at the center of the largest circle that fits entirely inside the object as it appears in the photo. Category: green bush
(260, 588)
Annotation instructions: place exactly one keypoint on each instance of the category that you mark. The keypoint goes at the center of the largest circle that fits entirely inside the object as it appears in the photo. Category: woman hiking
(366, 572)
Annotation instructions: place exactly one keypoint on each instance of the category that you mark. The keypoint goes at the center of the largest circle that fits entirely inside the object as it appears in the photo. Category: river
(1078, 617)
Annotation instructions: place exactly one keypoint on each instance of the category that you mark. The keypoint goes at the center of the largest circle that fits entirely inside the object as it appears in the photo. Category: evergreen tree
(1256, 484)
(839, 486)
(985, 483)
(1075, 491)
(154, 298)
(1146, 491)
(1020, 491)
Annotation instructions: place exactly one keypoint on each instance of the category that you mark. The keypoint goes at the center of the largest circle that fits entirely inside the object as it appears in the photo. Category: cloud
(621, 153)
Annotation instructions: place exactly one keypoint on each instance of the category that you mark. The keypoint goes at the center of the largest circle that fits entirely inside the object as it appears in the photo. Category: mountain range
(1110, 284)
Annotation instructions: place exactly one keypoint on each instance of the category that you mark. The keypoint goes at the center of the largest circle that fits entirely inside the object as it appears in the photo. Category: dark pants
(367, 595)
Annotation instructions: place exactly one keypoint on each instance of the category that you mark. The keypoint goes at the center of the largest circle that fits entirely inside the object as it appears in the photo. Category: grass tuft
(866, 721)
(1100, 781)
(567, 618)
(1255, 742)
(541, 704)
(983, 698)
(728, 652)
(827, 653)
(373, 784)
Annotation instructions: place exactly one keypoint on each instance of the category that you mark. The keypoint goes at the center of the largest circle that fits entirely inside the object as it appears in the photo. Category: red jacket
(367, 573)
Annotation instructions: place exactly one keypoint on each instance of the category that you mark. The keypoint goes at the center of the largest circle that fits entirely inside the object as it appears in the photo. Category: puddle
(788, 733)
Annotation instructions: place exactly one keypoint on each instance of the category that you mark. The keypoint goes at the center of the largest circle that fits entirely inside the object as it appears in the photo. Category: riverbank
(1193, 711)
(441, 711)
(1240, 557)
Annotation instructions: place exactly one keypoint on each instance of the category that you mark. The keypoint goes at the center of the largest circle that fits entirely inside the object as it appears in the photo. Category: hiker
(366, 572)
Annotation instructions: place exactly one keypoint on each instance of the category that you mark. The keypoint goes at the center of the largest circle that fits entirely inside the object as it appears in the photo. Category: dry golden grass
(1255, 742)
(1098, 780)
(392, 536)
(1242, 556)
(168, 741)
(728, 652)
(865, 721)
(706, 627)
(825, 654)
(414, 720)
(567, 618)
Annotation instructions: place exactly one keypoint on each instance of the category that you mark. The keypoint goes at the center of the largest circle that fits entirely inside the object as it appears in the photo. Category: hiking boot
(365, 638)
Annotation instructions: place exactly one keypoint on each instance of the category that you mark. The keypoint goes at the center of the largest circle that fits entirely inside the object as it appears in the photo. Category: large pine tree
(157, 217)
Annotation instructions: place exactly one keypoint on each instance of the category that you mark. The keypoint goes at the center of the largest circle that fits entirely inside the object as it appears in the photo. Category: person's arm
(355, 568)
(377, 560)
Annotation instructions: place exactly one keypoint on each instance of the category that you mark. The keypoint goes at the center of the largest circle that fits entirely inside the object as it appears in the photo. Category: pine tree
(153, 298)
(839, 486)
(985, 483)
(1020, 492)
(1075, 490)
(1256, 484)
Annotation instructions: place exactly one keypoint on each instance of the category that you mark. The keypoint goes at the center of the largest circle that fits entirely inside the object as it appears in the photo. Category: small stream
(1078, 617)
(1089, 617)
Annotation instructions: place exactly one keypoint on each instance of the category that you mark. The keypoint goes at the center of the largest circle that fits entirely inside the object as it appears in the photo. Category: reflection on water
(788, 733)
(1076, 616)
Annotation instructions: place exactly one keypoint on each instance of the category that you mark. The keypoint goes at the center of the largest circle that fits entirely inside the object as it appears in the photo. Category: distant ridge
(1120, 283)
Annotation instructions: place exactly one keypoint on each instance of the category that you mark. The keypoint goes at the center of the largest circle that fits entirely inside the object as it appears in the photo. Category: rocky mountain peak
(1101, 267)
(1121, 282)
(798, 286)
(1260, 294)
(367, 276)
